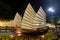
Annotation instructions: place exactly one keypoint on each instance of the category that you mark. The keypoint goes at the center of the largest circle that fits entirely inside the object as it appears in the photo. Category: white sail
(17, 20)
(39, 19)
(28, 17)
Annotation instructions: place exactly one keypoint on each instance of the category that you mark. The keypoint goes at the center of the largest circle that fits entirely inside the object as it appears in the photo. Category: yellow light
(19, 34)
(37, 24)
(11, 36)
(42, 36)
(18, 30)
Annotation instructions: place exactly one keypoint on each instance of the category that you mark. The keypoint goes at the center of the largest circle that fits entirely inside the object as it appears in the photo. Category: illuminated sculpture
(32, 20)
(17, 20)
(39, 19)
(31, 23)
(34, 23)
(28, 17)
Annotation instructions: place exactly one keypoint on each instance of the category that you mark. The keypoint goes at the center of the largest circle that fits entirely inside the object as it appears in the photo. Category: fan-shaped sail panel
(17, 20)
(39, 19)
(28, 17)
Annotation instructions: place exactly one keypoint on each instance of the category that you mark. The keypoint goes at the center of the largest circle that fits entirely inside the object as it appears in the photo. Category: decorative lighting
(37, 24)
(11, 36)
(19, 34)
(42, 36)
(18, 30)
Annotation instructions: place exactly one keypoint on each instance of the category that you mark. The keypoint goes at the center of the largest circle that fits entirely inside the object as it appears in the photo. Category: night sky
(8, 8)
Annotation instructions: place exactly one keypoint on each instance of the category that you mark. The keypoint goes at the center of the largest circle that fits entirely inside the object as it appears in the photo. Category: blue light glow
(51, 9)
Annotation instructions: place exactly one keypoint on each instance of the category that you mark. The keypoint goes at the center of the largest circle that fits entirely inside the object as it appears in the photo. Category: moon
(51, 9)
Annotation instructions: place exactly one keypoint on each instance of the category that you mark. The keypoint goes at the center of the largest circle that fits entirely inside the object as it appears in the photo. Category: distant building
(6, 23)
(16, 21)
(51, 25)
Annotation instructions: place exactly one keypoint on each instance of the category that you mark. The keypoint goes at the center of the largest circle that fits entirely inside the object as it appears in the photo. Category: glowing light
(36, 24)
(19, 34)
(51, 9)
(42, 23)
(11, 36)
(42, 36)
(18, 30)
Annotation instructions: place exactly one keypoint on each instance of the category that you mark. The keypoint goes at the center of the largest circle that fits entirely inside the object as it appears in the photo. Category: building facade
(16, 21)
